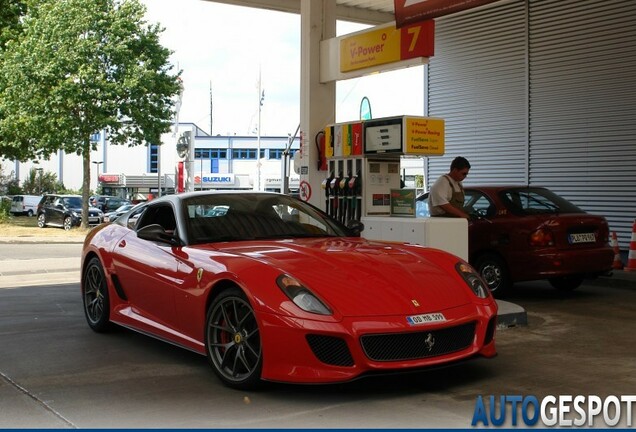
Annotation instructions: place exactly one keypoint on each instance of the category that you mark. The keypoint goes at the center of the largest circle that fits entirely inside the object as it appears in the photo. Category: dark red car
(522, 233)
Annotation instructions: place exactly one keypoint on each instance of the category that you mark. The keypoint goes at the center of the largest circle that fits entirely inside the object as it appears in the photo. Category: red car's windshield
(232, 217)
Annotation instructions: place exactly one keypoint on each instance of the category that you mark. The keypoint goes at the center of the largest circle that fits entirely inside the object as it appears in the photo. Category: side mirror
(356, 227)
(156, 233)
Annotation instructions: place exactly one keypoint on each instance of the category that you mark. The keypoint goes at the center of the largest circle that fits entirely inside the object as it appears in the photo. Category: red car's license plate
(582, 238)
(425, 318)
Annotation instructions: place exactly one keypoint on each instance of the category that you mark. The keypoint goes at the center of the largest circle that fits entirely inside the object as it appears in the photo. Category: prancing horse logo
(429, 341)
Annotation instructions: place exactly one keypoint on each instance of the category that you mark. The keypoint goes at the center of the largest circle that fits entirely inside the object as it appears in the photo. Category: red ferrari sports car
(270, 288)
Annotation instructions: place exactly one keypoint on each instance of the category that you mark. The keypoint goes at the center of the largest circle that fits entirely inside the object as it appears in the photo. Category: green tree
(9, 185)
(82, 66)
(39, 182)
(10, 13)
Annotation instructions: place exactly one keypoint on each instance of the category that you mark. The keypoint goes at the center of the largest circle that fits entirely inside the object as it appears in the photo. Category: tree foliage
(39, 182)
(9, 185)
(79, 67)
(10, 13)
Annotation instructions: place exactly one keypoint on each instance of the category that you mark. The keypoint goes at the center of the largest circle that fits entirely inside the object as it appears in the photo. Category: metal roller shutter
(477, 83)
(542, 92)
(583, 105)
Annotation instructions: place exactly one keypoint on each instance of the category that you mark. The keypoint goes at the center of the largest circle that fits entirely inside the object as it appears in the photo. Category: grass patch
(24, 226)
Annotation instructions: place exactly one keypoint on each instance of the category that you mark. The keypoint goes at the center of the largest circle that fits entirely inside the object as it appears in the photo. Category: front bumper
(290, 353)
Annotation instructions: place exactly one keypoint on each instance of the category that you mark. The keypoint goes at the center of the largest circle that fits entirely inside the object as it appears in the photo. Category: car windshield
(528, 201)
(72, 202)
(247, 216)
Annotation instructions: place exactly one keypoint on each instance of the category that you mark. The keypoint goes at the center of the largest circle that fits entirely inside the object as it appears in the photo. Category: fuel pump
(326, 185)
(333, 197)
(342, 204)
(355, 190)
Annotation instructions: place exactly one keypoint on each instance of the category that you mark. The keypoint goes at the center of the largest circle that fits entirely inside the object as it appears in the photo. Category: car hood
(359, 277)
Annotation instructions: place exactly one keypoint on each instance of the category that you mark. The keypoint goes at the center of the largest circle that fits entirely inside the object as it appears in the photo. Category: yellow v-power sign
(386, 45)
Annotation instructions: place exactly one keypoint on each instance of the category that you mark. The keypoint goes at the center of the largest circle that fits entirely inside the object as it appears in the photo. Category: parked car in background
(107, 203)
(273, 289)
(521, 233)
(112, 215)
(65, 211)
(25, 205)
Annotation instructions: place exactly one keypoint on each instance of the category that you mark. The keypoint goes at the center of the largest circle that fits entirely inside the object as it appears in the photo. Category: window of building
(244, 154)
(153, 158)
(210, 154)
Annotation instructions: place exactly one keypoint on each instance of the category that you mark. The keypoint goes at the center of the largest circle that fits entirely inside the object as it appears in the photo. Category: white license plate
(90, 219)
(582, 238)
(425, 318)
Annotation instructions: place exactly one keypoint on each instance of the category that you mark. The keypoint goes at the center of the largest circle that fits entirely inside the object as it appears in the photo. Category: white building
(219, 162)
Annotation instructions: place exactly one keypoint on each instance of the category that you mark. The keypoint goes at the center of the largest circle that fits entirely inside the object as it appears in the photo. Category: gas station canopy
(362, 11)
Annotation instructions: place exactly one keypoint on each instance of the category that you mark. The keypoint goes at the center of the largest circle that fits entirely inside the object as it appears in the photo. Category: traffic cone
(618, 264)
(631, 258)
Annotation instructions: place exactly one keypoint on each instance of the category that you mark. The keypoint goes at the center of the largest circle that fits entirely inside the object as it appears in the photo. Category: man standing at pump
(446, 197)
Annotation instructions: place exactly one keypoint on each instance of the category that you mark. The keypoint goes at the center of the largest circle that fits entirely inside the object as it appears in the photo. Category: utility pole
(211, 110)
(261, 98)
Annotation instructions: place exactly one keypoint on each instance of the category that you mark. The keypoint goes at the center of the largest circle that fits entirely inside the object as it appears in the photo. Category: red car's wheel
(95, 295)
(494, 271)
(233, 341)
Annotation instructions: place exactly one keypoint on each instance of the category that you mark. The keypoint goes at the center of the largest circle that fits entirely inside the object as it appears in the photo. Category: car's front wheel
(495, 273)
(233, 340)
(95, 296)
(41, 220)
(68, 223)
(568, 283)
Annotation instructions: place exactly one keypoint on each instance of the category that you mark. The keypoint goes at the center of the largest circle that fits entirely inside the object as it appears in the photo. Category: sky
(226, 47)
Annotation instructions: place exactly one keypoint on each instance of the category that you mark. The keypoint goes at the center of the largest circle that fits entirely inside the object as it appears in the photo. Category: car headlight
(302, 296)
(76, 214)
(472, 279)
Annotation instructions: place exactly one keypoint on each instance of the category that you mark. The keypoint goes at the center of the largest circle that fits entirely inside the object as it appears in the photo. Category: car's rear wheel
(41, 220)
(568, 283)
(495, 273)
(95, 296)
(233, 340)
(30, 213)
(68, 223)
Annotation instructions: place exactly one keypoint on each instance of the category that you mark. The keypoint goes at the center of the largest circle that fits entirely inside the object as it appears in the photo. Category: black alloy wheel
(494, 271)
(42, 220)
(68, 223)
(95, 296)
(233, 340)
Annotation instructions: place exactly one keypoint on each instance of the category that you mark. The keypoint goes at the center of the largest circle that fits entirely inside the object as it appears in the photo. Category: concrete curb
(511, 315)
(41, 240)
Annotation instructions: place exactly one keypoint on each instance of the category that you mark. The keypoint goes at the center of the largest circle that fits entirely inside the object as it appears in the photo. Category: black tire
(30, 213)
(569, 283)
(95, 296)
(494, 271)
(68, 223)
(233, 341)
(42, 220)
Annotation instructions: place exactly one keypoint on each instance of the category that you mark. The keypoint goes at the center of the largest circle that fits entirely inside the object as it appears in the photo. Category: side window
(476, 202)
(161, 214)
